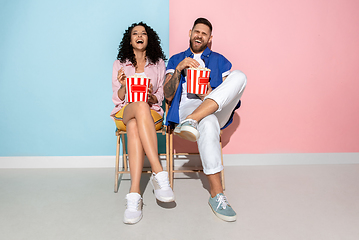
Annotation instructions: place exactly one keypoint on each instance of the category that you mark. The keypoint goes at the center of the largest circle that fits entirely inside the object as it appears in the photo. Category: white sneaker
(133, 213)
(187, 129)
(161, 187)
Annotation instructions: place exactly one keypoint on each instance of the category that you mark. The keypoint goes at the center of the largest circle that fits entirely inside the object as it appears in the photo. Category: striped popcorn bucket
(137, 89)
(197, 80)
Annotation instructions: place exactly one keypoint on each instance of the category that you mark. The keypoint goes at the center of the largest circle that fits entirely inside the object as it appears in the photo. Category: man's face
(199, 37)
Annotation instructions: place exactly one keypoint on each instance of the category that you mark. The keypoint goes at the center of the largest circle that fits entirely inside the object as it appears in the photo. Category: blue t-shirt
(214, 61)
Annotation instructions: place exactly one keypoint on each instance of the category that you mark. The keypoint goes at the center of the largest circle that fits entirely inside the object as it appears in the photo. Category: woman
(140, 53)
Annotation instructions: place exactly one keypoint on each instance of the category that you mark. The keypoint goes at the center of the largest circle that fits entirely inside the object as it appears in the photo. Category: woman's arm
(118, 89)
(158, 89)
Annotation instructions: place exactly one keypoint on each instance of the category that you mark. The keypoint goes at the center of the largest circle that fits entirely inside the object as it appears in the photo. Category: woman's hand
(151, 98)
(121, 77)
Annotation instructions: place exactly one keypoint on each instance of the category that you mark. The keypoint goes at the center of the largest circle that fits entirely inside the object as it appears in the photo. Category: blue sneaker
(221, 208)
(187, 129)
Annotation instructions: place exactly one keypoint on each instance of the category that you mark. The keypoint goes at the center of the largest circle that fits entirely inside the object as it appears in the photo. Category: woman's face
(139, 38)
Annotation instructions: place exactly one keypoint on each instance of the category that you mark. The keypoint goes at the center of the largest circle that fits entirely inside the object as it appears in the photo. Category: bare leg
(136, 155)
(207, 107)
(140, 111)
(215, 183)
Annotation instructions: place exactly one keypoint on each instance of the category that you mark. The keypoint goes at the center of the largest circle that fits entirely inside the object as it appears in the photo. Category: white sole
(160, 198)
(165, 200)
(223, 217)
(187, 133)
(132, 221)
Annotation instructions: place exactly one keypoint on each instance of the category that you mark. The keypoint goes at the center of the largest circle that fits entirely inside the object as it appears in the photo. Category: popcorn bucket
(197, 80)
(137, 89)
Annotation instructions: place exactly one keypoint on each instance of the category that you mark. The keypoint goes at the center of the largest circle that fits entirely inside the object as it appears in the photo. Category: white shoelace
(132, 204)
(162, 181)
(222, 200)
(194, 123)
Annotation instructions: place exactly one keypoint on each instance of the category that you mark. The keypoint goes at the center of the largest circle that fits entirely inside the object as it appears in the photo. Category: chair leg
(222, 172)
(117, 163)
(167, 155)
(124, 153)
(171, 160)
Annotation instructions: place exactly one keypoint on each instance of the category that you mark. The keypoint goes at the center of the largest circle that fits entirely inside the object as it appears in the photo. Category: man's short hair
(203, 21)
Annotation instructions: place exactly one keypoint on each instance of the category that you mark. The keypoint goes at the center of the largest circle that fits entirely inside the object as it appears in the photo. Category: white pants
(226, 96)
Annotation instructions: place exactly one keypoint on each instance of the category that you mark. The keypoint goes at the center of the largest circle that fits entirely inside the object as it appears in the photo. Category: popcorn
(197, 80)
(137, 88)
(137, 76)
(202, 68)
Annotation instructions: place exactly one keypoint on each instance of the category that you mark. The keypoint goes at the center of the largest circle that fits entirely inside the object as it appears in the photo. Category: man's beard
(201, 49)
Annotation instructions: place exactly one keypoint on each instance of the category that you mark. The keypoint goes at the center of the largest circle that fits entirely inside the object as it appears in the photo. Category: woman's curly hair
(153, 50)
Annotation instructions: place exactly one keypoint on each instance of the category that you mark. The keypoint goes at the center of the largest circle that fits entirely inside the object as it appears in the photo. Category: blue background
(55, 72)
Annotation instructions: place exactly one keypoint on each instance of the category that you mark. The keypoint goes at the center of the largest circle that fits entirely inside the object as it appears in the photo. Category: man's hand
(187, 63)
(172, 80)
(209, 89)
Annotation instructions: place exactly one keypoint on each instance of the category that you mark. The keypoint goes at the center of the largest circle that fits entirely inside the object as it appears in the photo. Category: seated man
(200, 117)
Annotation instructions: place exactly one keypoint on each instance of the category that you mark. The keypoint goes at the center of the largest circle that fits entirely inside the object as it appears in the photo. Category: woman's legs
(141, 137)
(136, 153)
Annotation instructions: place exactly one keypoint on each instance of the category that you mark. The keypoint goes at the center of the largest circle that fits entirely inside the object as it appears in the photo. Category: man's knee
(239, 77)
(209, 122)
(209, 129)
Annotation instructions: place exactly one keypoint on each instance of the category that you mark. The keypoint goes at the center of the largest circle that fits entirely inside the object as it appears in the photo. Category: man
(200, 117)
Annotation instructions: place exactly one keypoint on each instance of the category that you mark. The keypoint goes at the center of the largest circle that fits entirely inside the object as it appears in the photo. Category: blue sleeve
(224, 65)
(171, 64)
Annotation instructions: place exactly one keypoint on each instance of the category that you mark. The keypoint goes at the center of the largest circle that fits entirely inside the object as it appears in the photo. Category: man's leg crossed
(228, 94)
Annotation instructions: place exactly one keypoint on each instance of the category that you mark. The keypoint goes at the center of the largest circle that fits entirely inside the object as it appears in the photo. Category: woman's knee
(143, 110)
(132, 127)
(136, 110)
(141, 105)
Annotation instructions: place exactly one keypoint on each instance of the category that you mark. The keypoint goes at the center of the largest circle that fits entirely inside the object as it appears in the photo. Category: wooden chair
(172, 170)
(169, 155)
(121, 140)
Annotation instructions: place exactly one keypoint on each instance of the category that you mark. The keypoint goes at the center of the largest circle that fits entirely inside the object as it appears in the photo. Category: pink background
(300, 59)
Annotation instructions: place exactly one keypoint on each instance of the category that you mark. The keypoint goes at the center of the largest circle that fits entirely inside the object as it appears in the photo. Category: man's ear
(189, 34)
(210, 39)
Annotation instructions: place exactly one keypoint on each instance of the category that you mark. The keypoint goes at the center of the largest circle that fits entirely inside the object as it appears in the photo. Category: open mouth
(139, 41)
(198, 41)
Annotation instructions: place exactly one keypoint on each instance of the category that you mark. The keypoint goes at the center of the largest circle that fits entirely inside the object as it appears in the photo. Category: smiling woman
(153, 48)
(140, 53)
(139, 39)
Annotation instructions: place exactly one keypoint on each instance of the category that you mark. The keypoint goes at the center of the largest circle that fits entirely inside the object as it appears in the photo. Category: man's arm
(171, 84)
(172, 80)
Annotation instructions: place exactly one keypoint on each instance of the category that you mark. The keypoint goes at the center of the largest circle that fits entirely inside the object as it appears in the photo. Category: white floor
(272, 202)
